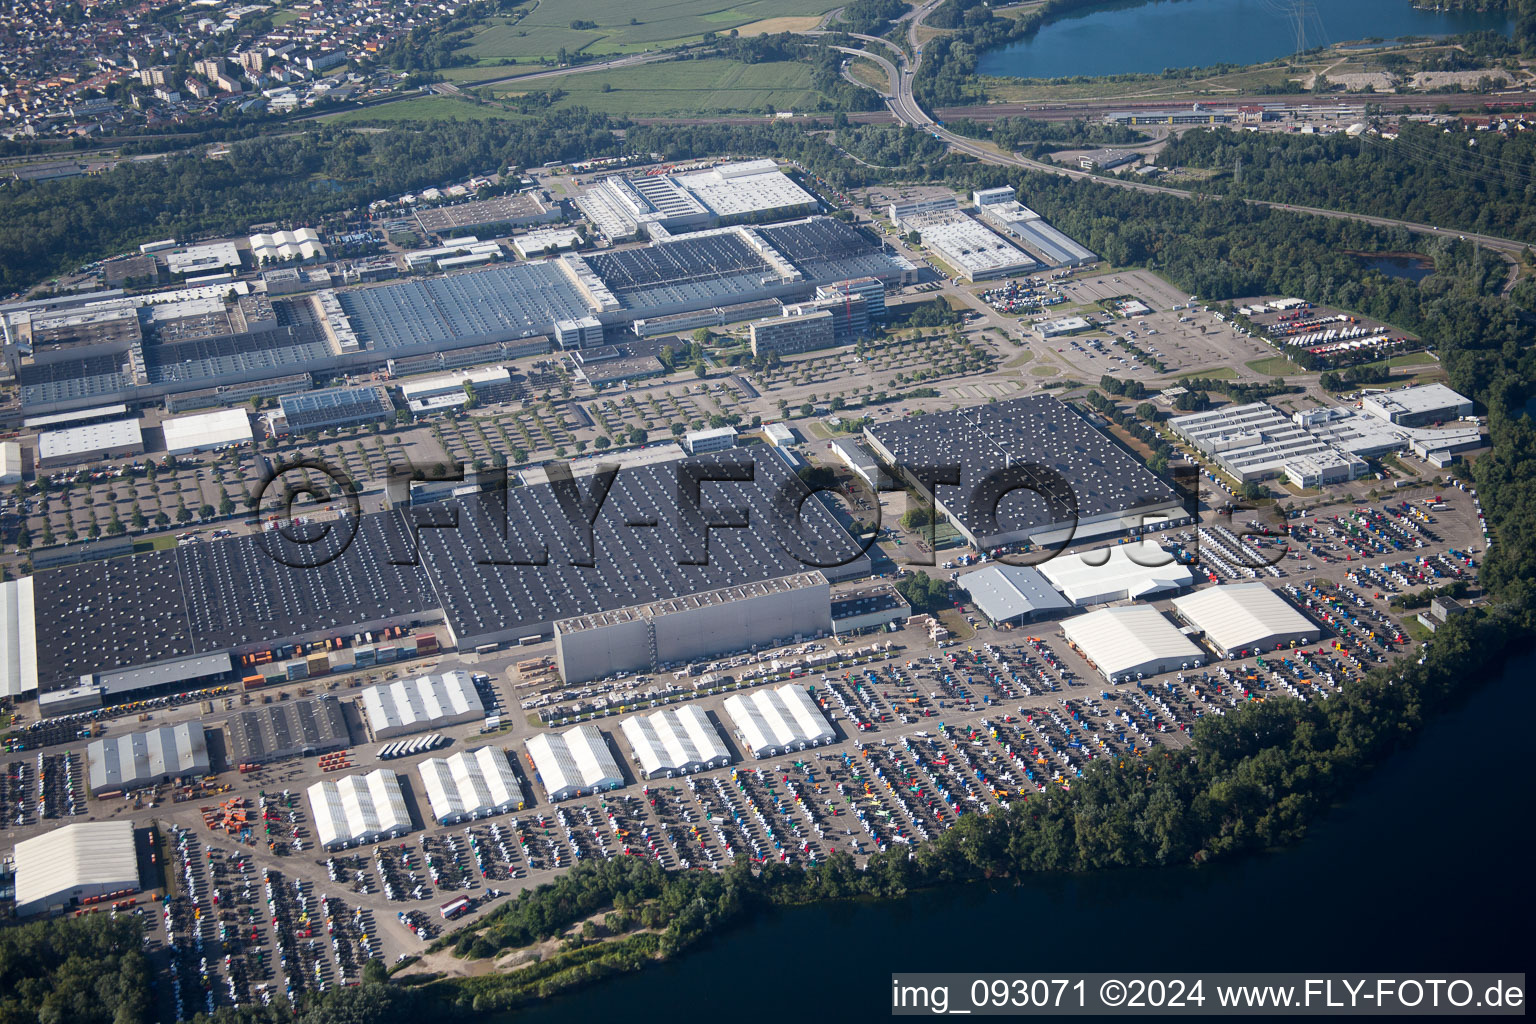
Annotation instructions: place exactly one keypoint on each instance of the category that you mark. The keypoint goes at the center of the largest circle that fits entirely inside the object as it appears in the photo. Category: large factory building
(678, 630)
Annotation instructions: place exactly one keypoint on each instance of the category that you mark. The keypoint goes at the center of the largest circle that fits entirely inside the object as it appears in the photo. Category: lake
(1137, 36)
(1409, 268)
(1414, 873)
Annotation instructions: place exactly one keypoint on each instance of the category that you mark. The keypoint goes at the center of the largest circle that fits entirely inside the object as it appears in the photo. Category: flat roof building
(675, 741)
(490, 384)
(1013, 594)
(61, 869)
(975, 251)
(202, 259)
(678, 630)
(542, 241)
(1031, 469)
(574, 763)
(331, 407)
(620, 205)
(1416, 406)
(471, 784)
(95, 441)
(1240, 619)
(1256, 442)
(406, 706)
(1136, 571)
(778, 721)
(718, 439)
(1063, 325)
(871, 608)
(516, 211)
(1132, 641)
(206, 431)
(900, 211)
(791, 335)
(137, 759)
(358, 809)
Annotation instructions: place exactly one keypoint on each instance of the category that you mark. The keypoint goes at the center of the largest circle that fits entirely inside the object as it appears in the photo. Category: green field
(422, 108)
(684, 87)
(622, 28)
(1274, 366)
(1214, 373)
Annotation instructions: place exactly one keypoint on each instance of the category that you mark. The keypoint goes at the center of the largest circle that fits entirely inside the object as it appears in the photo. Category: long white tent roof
(88, 853)
(675, 739)
(358, 807)
(471, 783)
(1138, 569)
(18, 638)
(785, 718)
(1123, 639)
(1240, 615)
(578, 758)
(204, 430)
(407, 705)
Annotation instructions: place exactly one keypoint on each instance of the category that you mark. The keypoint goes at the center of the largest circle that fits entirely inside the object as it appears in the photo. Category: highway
(906, 108)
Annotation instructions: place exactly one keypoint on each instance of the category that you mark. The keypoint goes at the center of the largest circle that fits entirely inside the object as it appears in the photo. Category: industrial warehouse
(1131, 641)
(1030, 469)
(357, 809)
(1243, 618)
(1136, 571)
(406, 706)
(675, 741)
(135, 759)
(96, 349)
(75, 864)
(677, 630)
(1012, 594)
(289, 729)
(471, 784)
(178, 615)
(574, 762)
(778, 721)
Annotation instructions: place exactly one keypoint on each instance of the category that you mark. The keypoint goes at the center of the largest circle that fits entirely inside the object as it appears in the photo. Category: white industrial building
(63, 868)
(1256, 442)
(1062, 325)
(202, 259)
(715, 439)
(280, 246)
(18, 638)
(675, 741)
(92, 441)
(1138, 570)
(538, 242)
(448, 390)
(677, 630)
(10, 463)
(574, 762)
(975, 251)
(779, 721)
(426, 702)
(999, 208)
(1012, 594)
(619, 205)
(358, 809)
(206, 431)
(1245, 618)
(137, 759)
(471, 784)
(1416, 406)
(1131, 641)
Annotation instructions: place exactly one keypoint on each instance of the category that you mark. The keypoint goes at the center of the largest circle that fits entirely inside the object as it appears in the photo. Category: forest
(53, 226)
(1457, 179)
